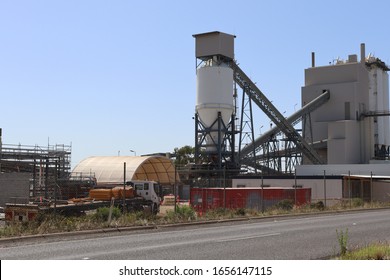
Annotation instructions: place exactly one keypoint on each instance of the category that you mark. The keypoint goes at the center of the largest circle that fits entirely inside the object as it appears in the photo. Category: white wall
(333, 186)
(344, 142)
(382, 95)
(386, 97)
(342, 169)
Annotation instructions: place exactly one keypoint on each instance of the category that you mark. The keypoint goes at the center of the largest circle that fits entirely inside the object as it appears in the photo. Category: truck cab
(149, 190)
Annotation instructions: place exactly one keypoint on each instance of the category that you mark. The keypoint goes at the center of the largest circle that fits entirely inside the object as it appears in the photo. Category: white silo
(214, 108)
(214, 95)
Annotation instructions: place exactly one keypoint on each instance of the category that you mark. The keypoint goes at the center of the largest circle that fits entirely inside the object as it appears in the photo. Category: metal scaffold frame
(47, 164)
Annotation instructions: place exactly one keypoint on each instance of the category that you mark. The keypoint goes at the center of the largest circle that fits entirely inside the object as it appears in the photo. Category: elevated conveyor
(270, 110)
(293, 120)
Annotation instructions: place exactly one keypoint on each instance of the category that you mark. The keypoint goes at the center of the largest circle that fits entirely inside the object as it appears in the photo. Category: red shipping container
(203, 199)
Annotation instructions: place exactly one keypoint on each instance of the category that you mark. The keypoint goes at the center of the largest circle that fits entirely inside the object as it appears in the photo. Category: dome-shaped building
(109, 170)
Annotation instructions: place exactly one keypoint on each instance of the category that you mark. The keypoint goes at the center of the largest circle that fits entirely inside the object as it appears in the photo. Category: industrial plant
(337, 144)
(335, 147)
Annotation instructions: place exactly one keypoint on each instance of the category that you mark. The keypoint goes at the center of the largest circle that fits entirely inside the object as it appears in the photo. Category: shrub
(352, 203)
(357, 202)
(220, 213)
(186, 212)
(183, 213)
(128, 219)
(217, 213)
(103, 213)
(241, 212)
(342, 238)
(286, 204)
(318, 205)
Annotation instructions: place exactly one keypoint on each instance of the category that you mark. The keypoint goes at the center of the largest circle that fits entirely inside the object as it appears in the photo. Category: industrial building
(353, 126)
(340, 151)
(224, 137)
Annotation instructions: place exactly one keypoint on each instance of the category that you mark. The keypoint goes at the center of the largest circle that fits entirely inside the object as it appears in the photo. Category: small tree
(184, 155)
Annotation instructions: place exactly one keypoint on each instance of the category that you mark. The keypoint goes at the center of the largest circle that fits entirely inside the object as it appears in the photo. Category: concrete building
(352, 127)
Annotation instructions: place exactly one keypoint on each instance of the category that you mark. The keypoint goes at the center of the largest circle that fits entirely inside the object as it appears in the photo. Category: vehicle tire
(154, 209)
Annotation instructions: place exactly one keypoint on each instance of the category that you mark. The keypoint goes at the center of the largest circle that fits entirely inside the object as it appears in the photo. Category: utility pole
(124, 187)
(325, 188)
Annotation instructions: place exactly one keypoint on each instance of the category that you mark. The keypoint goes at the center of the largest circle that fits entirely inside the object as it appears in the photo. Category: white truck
(150, 191)
(147, 197)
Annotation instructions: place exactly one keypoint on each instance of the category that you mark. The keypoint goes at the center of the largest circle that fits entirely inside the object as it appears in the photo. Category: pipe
(362, 53)
(313, 59)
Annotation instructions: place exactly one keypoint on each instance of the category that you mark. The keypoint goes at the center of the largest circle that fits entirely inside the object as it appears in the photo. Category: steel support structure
(264, 153)
(381, 152)
(246, 132)
(294, 119)
(224, 145)
(275, 116)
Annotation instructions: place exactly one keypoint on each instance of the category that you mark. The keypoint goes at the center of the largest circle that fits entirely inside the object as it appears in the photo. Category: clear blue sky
(111, 76)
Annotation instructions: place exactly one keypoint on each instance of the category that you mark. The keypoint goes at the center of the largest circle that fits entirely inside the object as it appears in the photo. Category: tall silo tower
(215, 105)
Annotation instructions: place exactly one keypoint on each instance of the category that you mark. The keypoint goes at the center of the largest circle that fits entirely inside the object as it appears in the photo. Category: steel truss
(281, 148)
(224, 144)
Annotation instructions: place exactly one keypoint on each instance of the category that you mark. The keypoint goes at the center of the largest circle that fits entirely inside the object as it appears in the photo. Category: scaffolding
(48, 165)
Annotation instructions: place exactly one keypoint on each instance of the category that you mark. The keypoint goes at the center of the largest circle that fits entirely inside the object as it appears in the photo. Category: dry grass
(377, 251)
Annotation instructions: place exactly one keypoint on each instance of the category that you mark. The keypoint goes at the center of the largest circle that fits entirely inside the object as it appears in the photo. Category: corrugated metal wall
(203, 199)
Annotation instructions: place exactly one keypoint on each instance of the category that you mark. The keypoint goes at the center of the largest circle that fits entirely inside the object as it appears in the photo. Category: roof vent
(352, 58)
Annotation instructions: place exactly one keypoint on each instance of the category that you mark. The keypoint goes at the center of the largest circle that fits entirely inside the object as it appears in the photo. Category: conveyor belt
(270, 110)
(293, 120)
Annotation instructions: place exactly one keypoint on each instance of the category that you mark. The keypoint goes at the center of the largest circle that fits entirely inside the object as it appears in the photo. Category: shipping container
(203, 199)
